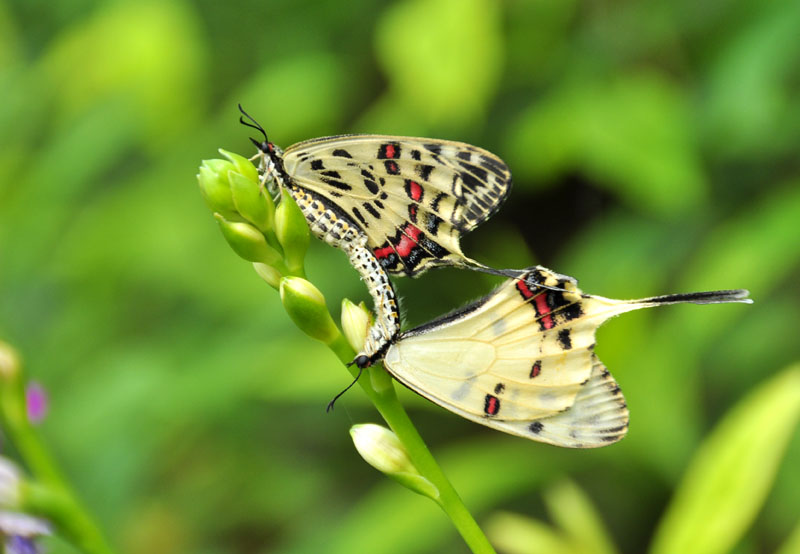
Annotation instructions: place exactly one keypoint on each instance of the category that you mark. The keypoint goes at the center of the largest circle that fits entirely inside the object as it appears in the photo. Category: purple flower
(17, 544)
(36, 402)
(19, 532)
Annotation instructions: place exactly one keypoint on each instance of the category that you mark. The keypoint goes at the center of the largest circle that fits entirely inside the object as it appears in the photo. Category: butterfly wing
(412, 197)
(520, 360)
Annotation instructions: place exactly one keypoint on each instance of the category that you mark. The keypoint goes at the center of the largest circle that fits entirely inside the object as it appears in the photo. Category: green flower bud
(9, 362)
(214, 185)
(355, 323)
(248, 242)
(243, 165)
(292, 230)
(252, 202)
(381, 449)
(306, 306)
(271, 275)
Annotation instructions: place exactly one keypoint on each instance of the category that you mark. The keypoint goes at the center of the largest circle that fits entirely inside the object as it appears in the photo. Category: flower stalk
(47, 495)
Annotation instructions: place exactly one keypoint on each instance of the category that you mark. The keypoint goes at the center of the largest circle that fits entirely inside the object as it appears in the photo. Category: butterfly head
(271, 155)
(265, 145)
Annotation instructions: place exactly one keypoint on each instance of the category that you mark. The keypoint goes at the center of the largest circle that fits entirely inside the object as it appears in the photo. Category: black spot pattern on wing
(424, 171)
(564, 339)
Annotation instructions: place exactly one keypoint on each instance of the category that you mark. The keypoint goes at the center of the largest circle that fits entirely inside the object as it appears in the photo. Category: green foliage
(654, 149)
(733, 470)
(723, 489)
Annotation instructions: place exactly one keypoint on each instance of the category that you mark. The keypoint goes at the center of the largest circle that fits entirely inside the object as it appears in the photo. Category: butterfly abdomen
(387, 322)
(332, 226)
(324, 221)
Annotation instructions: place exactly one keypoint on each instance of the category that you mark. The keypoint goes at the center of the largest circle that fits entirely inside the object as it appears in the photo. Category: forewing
(520, 360)
(413, 197)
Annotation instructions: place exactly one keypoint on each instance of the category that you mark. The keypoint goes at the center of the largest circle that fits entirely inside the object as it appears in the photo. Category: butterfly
(395, 205)
(521, 360)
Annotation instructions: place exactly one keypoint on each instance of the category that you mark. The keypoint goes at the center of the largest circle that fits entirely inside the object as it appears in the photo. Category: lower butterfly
(394, 205)
(521, 360)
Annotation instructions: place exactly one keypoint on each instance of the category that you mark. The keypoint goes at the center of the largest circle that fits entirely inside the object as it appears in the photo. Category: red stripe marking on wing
(522, 287)
(408, 241)
(539, 304)
(543, 311)
(414, 190)
(383, 252)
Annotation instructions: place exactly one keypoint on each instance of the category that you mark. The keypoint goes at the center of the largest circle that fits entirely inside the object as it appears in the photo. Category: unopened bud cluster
(273, 238)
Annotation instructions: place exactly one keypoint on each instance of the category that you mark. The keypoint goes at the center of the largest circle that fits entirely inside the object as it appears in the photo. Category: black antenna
(335, 398)
(253, 124)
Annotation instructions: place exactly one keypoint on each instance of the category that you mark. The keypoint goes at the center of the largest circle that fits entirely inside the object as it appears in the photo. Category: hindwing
(522, 360)
(412, 197)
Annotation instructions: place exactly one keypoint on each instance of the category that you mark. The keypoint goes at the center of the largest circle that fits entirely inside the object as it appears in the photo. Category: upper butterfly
(395, 205)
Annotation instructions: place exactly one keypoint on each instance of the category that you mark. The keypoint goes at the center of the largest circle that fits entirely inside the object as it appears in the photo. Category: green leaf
(792, 544)
(572, 510)
(632, 135)
(727, 481)
(757, 249)
(296, 96)
(442, 58)
(148, 53)
(516, 534)
(759, 114)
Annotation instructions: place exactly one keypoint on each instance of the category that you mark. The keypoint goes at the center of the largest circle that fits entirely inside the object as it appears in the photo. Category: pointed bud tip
(247, 241)
(242, 164)
(269, 274)
(355, 324)
(305, 304)
(302, 288)
(213, 182)
(381, 448)
(251, 200)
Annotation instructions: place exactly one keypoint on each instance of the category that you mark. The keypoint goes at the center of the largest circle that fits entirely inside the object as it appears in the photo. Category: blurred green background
(654, 149)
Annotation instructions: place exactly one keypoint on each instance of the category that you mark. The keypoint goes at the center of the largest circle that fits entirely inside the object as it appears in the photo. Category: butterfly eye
(362, 361)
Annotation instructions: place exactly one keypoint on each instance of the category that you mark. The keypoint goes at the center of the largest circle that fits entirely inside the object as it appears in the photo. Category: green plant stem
(63, 509)
(392, 411)
(51, 497)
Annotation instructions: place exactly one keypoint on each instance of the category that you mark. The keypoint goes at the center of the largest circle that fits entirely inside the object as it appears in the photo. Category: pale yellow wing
(413, 197)
(521, 360)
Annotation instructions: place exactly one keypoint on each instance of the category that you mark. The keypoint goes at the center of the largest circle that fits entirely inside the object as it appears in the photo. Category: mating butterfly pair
(520, 360)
